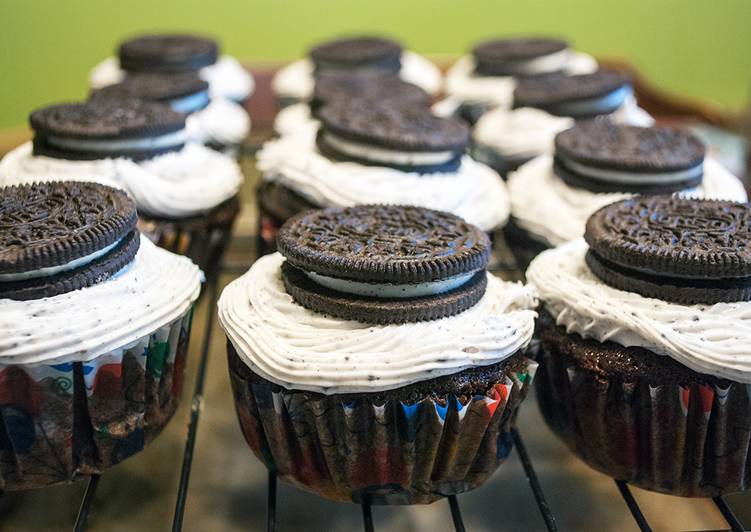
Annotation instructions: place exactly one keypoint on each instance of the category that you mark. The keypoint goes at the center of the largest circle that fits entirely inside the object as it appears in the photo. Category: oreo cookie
(60, 236)
(579, 96)
(371, 53)
(395, 134)
(107, 128)
(167, 53)
(335, 86)
(600, 156)
(520, 57)
(681, 250)
(384, 264)
(184, 92)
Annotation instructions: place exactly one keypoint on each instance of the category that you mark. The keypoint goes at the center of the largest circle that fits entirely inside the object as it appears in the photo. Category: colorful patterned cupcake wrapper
(692, 441)
(60, 422)
(392, 453)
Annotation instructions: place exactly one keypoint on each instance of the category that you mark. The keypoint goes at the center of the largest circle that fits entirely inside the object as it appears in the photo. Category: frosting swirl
(296, 119)
(710, 339)
(296, 81)
(553, 212)
(153, 290)
(221, 122)
(174, 185)
(474, 192)
(303, 350)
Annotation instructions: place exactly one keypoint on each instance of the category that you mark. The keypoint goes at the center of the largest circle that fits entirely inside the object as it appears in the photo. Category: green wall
(699, 48)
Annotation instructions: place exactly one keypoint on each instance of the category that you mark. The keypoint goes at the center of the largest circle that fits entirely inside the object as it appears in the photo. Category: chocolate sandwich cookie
(384, 264)
(372, 53)
(681, 250)
(167, 53)
(60, 236)
(184, 92)
(107, 128)
(335, 86)
(601, 156)
(395, 134)
(520, 57)
(580, 96)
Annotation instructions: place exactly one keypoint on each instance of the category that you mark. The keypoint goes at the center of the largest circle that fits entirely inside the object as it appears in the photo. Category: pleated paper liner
(690, 440)
(201, 238)
(391, 453)
(502, 165)
(61, 422)
(523, 247)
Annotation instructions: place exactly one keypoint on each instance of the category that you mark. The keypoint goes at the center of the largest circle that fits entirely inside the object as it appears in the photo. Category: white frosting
(553, 212)
(174, 185)
(295, 80)
(227, 78)
(168, 140)
(154, 290)
(474, 191)
(377, 154)
(389, 290)
(527, 132)
(710, 339)
(53, 270)
(301, 349)
(296, 119)
(465, 86)
(222, 121)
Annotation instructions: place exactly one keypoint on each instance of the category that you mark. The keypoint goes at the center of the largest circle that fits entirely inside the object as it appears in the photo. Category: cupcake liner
(391, 453)
(499, 163)
(202, 238)
(523, 247)
(687, 440)
(63, 421)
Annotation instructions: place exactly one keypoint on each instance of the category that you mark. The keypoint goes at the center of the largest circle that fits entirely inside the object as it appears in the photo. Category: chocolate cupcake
(186, 193)
(375, 360)
(170, 54)
(295, 82)
(216, 122)
(645, 367)
(377, 151)
(486, 78)
(504, 139)
(94, 329)
(597, 162)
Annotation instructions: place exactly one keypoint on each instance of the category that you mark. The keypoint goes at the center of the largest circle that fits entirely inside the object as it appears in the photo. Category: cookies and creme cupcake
(377, 152)
(544, 106)
(296, 82)
(94, 329)
(486, 78)
(597, 162)
(645, 331)
(186, 193)
(373, 359)
(172, 53)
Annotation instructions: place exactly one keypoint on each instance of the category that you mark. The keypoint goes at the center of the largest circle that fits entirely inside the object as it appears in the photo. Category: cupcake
(186, 193)
(94, 329)
(333, 87)
(597, 162)
(172, 53)
(645, 333)
(374, 359)
(544, 106)
(295, 82)
(383, 152)
(486, 78)
(216, 122)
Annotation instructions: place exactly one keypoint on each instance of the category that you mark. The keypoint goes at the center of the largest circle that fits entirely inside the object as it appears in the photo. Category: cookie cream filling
(710, 339)
(158, 142)
(630, 178)
(390, 290)
(552, 212)
(473, 192)
(304, 350)
(178, 184)
(594, 106)
(157, 288)
(377, 154)
(190, 103)
(53, 270)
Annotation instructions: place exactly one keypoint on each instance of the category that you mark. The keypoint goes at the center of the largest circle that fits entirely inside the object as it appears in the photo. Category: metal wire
(534, 483)
(728, 514)
(85, 508)
(641, 521)
(271, 503)
(456, 514)
(367, 518)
